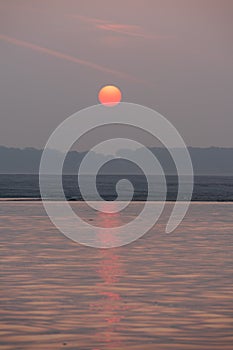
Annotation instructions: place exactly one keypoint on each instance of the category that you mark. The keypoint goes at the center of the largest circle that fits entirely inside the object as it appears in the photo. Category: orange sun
(110, 95)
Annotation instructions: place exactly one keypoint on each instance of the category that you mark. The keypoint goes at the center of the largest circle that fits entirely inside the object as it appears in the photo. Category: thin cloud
(129, 30)
(125, 29)
(63, 56)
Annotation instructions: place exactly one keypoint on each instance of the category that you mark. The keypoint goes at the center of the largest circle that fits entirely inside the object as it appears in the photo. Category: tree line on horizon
(206, 161)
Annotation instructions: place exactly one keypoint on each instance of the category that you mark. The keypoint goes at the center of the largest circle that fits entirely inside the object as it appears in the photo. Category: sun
(110, 95)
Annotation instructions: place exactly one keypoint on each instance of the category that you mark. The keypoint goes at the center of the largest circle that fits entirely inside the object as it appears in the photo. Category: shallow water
(164, 291)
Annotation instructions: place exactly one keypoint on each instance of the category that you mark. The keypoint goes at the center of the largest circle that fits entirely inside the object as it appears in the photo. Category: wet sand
(164, 291)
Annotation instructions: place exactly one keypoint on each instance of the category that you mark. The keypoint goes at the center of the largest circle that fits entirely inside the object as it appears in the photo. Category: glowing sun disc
(110, 95)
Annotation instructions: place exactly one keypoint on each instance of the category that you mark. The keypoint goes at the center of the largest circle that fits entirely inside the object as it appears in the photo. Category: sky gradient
(173, 56)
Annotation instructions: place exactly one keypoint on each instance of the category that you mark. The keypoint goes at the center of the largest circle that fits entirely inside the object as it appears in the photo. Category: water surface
(206, 188)
(164, 291)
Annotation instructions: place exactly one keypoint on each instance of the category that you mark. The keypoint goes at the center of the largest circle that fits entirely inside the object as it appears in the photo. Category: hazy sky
(174, 56)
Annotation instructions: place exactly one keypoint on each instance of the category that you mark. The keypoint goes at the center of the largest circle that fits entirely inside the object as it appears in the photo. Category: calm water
(164, 291)
(207, 188)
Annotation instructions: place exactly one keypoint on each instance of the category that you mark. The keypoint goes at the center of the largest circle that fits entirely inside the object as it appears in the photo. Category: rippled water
(164, 291)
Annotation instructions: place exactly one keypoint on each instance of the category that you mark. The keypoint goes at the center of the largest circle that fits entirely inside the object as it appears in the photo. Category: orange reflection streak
(63, 56)
(110, 306)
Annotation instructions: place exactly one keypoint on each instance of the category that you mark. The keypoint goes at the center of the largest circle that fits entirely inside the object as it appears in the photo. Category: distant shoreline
(211, 161)
(34, 200)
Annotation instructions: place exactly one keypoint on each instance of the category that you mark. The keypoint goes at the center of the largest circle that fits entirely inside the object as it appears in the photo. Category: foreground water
(164, 291)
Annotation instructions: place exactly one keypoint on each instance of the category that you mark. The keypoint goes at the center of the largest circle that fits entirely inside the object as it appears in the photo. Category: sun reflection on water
(110, 306)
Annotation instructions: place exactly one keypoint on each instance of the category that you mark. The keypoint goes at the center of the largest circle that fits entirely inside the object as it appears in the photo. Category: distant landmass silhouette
(206, 161)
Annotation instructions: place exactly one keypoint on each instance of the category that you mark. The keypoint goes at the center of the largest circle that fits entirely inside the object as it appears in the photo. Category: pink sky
(174, 56)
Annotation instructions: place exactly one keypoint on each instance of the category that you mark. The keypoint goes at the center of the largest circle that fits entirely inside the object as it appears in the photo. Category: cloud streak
(125, 29)
(64, 56)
